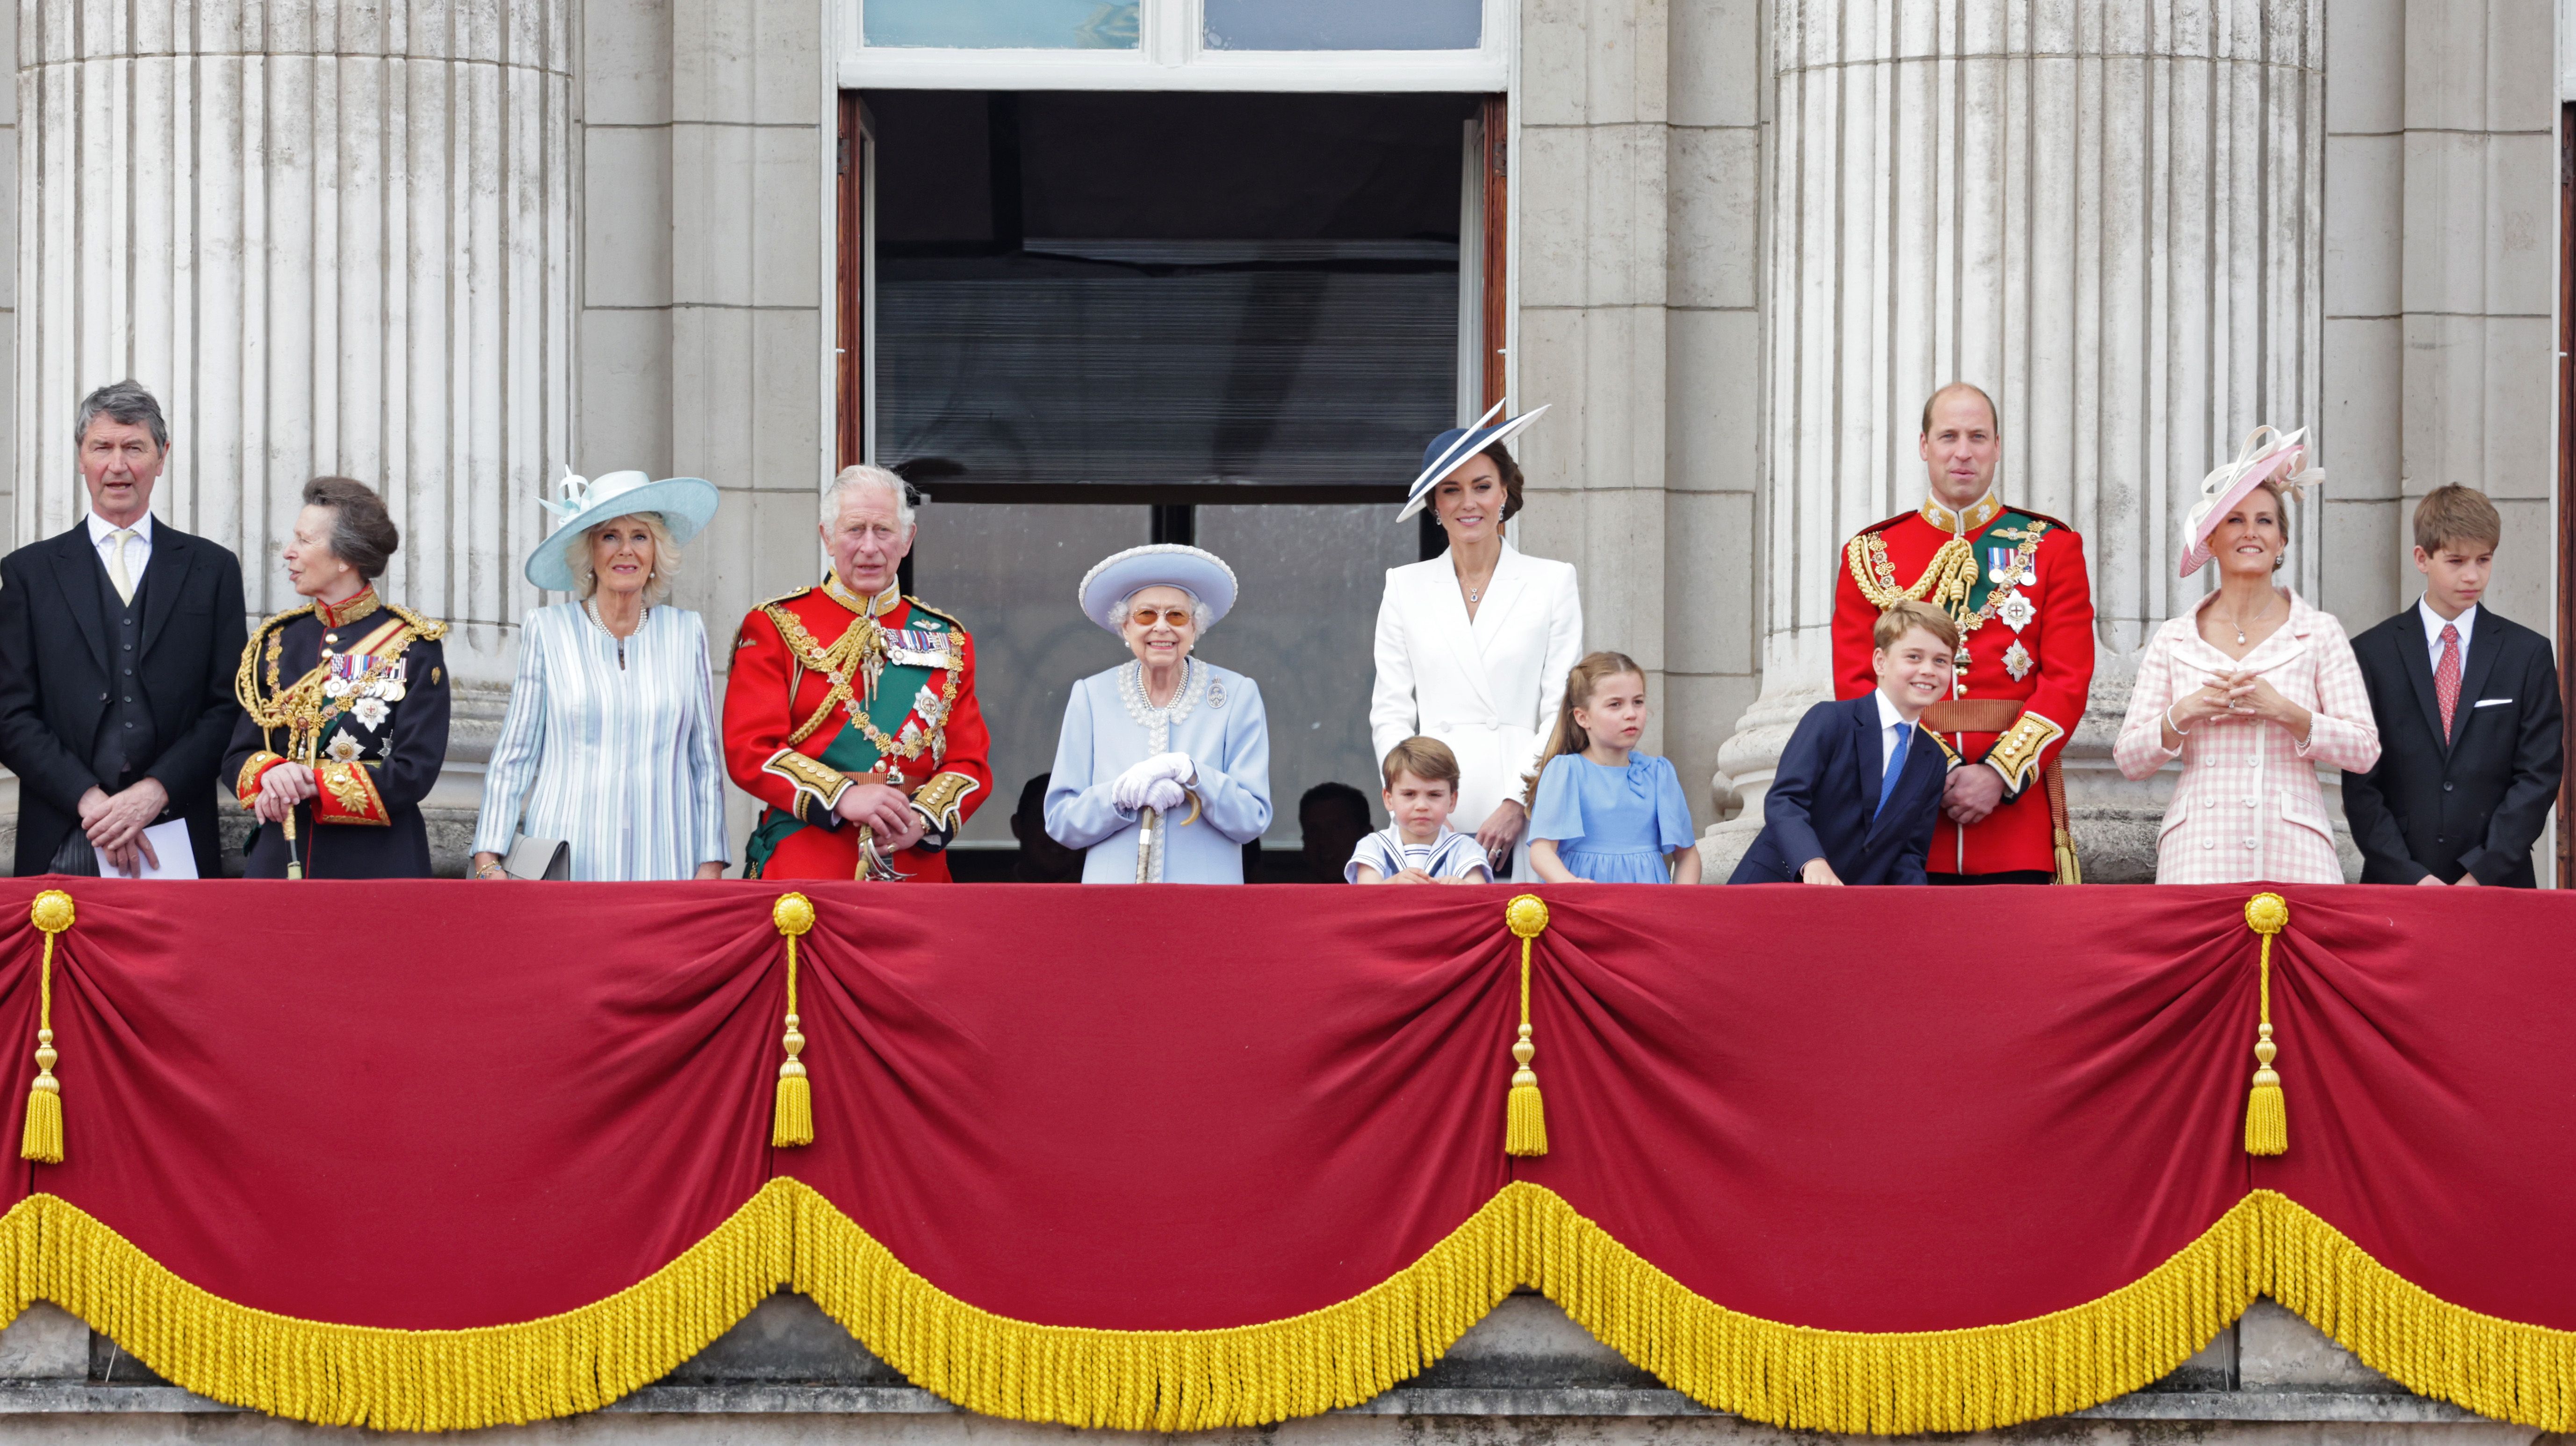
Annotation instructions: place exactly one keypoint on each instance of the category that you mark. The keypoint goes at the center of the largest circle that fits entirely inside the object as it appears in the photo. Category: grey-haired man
(118, 644)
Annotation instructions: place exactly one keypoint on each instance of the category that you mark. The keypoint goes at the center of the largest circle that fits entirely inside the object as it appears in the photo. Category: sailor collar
(340, 615)
(870, 608)
(1986, 509)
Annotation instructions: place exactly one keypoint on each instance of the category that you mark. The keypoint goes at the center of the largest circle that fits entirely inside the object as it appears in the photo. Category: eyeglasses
(1178, 617)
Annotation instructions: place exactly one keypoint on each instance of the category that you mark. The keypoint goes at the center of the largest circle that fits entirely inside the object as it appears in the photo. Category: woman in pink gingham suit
(2252, 689)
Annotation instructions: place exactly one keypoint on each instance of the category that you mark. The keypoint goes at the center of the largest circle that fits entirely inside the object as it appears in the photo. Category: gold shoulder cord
(1944, 584)
(856, 660)
(301, 707)
(858, 655)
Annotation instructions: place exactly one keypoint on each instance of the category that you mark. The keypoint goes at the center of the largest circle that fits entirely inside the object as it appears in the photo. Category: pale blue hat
(1194, 570)
(685, 505)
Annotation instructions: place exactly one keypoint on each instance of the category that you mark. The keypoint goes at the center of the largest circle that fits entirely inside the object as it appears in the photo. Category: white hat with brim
(1194, 570)
(1452, 448)
(2267, 456)
(685, 505)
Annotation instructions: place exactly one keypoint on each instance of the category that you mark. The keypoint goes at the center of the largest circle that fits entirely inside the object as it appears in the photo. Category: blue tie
(1895, 769)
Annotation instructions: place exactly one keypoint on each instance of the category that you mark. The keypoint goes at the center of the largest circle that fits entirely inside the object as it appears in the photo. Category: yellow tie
(116, 572)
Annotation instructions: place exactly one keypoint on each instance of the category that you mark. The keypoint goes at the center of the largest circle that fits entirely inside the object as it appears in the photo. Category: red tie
(2446, 678)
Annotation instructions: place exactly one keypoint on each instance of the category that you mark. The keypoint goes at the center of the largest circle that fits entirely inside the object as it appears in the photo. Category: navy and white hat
(685, 505)
(1455, 446)
(1194, 570)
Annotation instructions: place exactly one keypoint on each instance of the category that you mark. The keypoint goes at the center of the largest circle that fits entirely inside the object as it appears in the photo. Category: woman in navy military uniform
(344, 705)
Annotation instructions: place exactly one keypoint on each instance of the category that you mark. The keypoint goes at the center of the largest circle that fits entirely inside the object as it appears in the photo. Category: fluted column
(331, 236)
(2105, 214)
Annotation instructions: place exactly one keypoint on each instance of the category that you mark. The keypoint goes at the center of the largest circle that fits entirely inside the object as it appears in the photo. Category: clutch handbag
(539, 858)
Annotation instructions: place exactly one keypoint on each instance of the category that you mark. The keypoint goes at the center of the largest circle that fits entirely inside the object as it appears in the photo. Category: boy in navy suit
(2467, 704)
(1859, 786)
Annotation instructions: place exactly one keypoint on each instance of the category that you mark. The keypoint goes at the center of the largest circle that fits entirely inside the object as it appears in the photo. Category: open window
(1079, 321)
(1313, 45)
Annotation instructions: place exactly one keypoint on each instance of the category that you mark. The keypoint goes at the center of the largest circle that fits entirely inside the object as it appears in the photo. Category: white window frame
(1169, 56)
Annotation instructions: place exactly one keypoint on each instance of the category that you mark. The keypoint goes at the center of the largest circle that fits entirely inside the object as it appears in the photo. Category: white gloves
(1164, 794)
(1129, 792)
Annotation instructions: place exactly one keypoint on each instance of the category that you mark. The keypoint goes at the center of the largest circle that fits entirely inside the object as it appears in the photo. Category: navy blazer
(1823, 796)
(2476, 801)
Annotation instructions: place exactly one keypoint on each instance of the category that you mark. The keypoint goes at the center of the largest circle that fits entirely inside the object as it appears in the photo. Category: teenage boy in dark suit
(1859, 786)
(2467, 704)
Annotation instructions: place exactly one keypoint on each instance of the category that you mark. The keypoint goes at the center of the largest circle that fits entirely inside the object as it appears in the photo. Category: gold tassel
(42, 1138)
(2267, 1117)
(1524, 1113)
(792, 1121)
(2070, 870)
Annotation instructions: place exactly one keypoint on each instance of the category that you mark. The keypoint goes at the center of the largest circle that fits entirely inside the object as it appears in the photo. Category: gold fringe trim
(2501, 1369)
(399, 1380)
(1971, 1379)
(1179, 1380)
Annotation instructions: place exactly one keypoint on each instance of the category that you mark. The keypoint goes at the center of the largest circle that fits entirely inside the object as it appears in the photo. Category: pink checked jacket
(2248, 807)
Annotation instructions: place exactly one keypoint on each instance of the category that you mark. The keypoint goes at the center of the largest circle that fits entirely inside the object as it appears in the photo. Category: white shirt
(1891, 731)
(138, 548)
(2467, 620)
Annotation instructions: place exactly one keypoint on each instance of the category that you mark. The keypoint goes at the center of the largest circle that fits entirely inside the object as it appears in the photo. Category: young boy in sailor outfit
(1418, 846)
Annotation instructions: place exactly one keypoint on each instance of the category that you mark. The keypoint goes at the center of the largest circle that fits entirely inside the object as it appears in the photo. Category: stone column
(332, 237)
(2105, 214)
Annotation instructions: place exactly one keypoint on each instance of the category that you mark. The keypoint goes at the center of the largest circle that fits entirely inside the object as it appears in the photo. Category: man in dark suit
(118, 644)
(1859, 786)
(2467, 703)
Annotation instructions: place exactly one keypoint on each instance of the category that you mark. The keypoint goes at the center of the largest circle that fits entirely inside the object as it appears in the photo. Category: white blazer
(1489, 689)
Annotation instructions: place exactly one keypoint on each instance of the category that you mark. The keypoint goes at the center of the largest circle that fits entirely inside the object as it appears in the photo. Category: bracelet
(490, 871)
(2179, 730)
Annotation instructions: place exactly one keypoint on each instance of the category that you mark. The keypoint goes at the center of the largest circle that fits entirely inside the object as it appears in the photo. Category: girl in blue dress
(1600, 810)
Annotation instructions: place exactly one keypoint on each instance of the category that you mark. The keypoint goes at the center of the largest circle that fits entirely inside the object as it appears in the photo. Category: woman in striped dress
(610, 743)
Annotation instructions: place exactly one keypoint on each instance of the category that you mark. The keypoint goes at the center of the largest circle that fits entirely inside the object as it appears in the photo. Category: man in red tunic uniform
(2015, 581)
(851, 709)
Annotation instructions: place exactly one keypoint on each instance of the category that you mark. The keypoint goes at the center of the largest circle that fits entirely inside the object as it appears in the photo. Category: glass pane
(1311, 577)
(1001, 24)
(1343, 25)
(1008, 572)
(1174, 362)
(1152, 289)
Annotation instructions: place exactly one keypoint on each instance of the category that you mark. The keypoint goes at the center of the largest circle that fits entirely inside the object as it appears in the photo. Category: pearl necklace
(591, 606)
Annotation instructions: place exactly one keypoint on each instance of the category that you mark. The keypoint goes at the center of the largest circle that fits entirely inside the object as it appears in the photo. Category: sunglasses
(1178, 617)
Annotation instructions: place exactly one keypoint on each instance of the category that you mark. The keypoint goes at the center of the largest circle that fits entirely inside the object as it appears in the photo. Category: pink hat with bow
(2267, 456)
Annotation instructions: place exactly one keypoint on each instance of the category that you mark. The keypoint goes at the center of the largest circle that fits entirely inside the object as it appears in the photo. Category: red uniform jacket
(922, 731)
(2026, 630)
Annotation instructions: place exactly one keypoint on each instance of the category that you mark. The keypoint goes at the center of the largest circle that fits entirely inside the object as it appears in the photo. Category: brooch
(2018, 661)
(1216, 694)
(345, 749)
(2014, 610)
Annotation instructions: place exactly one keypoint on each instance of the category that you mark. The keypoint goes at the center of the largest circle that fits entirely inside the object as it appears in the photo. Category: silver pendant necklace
(2258, 617)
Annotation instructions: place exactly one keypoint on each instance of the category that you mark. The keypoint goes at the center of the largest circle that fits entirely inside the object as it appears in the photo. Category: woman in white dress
(1474, 645)
(611, 742)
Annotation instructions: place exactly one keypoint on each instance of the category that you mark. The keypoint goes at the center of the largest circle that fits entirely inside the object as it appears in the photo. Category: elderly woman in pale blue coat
(1163, 769)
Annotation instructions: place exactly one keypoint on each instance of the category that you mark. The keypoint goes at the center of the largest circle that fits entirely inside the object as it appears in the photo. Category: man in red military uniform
(851, 709)
(2015, 582)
